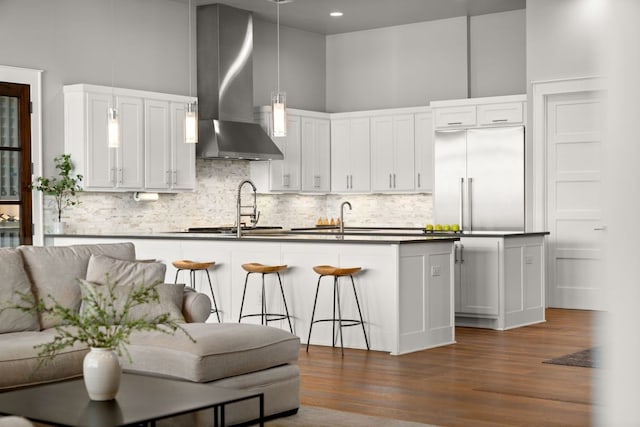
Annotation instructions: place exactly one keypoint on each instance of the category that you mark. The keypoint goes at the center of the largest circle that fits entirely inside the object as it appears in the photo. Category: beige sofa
(237, 356)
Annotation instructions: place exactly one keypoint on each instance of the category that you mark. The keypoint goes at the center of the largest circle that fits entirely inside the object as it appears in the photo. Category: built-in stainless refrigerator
(479, 178)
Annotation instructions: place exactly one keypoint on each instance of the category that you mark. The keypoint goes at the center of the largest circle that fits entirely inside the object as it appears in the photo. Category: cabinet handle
(419, 184)
(167, 178)
(112, 175)
(462, 203)
(347, 181)
(455, 254)
(317, 181)
(500, 120)
(454, 123)
(461, 253)
(470, 201)
(351, 182)
(175, 177)
(121, 171)
(394, 180)
(390, 181)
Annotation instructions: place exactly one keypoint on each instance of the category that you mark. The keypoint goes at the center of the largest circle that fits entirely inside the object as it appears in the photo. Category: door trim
(32, 78)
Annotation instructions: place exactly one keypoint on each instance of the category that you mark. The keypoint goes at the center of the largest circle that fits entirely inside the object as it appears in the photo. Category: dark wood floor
(488, 378)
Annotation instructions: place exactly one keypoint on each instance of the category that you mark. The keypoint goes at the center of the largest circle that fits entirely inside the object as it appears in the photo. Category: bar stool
(337, 272)
(265, 317)
(193, 266)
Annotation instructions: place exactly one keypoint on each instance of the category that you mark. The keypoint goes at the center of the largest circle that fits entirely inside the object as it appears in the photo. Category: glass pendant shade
(191, 124)
(278, 114)
(113, 128)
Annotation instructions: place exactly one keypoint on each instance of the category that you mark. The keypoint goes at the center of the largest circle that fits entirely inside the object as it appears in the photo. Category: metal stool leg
(192, 279)
(339, 314)
(355, 293)
(264, 304)
(313, 312)
(176, 279)
(243, 294)
(213, 297)
(284, 300)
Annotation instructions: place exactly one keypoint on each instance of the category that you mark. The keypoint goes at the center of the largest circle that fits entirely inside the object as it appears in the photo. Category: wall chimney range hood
(226, 129)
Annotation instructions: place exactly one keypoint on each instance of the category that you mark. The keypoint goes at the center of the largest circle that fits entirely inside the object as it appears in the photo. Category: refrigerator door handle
(461, 203)
(470, 201)
(461, 253)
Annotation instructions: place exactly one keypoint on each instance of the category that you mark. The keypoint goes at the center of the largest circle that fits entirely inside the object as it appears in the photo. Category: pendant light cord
(189, 11)
(113, 51)
(278, 39)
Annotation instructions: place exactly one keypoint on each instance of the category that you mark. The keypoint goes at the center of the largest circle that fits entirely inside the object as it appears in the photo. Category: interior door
(15, 165)
(574, 150)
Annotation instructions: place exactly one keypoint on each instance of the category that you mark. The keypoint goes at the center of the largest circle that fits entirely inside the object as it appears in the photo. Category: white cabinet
(149, 156)
(499, 281)
(169, 162)
(502, 113)
(285, 174)
(472, 112)
(392, 153)
(423, 152)
(350, 151)
(316, 155)
(455, 116)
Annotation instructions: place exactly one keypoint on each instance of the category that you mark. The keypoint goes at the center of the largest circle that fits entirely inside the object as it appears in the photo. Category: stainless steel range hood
(226, 129)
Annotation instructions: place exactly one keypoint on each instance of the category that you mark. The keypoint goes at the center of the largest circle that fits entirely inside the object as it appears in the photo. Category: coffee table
(141, 400)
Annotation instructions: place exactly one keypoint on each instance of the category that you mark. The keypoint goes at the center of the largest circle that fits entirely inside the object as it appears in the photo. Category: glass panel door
(15, 165)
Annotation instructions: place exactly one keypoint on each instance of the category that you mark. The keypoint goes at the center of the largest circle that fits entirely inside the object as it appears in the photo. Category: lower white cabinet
(150, 155)
(499, 281)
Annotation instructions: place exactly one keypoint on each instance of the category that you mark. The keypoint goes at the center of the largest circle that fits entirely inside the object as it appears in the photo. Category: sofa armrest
(13, 421)
(196, 306)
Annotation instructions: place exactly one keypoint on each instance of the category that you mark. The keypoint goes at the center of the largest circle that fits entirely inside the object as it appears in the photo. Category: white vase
(57, 227)
(102, 373)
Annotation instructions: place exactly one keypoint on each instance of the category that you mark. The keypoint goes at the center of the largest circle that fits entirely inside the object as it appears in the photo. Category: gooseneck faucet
(342, 215)
(254, 215)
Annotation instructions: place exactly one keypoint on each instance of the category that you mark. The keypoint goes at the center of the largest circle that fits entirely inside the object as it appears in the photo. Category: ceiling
(313, 15)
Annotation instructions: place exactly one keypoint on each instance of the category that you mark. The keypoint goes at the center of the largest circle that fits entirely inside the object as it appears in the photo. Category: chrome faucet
(254, 215)
(342, 215)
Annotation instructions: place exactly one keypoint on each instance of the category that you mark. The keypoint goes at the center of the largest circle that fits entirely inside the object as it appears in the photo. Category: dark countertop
(413, 231)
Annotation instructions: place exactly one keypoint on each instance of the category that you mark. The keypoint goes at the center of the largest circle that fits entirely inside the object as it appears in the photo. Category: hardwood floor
(488, 378)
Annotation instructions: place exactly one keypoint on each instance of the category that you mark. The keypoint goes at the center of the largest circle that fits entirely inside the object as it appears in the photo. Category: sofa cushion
(55, 270)
(15, 289)
(170, 298)
(19, 360)
(107, 270)
(220, 351)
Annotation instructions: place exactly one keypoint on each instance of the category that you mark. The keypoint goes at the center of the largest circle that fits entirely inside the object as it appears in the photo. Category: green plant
(105, 319)
(62, 187)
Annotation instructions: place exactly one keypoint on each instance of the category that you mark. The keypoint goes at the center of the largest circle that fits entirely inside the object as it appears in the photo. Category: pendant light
(113, 118)
(278, 99)
(191, 116)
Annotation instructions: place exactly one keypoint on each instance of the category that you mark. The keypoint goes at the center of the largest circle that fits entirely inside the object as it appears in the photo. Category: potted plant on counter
(63, 187)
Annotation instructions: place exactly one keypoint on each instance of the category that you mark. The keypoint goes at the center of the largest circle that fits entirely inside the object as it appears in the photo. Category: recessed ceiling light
(336, 14)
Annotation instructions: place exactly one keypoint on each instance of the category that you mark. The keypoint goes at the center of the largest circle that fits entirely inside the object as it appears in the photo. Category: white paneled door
(574, 215)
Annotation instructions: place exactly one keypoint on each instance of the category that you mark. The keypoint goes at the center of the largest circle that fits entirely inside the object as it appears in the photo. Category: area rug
(588, 358)
(311, 416)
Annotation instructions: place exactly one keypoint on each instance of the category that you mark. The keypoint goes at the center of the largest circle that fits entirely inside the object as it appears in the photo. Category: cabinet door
(382, 153)
(315, 141)
(423, 152)
(183, 163)
(340, 162)
(464, 115)
(359, 155)
(285, 174)
(495, 114)
(130, 160)
(100, 168)
(403, 152)
(479, 276)
(157, 145)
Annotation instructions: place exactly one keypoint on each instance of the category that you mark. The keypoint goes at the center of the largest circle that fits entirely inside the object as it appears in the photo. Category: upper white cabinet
(350, 151)
(148, 157)
(169, 162)
(316, 155)
(423, 152)
(473, 112)
(392, 153)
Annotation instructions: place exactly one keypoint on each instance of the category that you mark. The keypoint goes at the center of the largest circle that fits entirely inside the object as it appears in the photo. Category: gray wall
(403, 66)
(302, 66)
(76, 41)
(498, 54)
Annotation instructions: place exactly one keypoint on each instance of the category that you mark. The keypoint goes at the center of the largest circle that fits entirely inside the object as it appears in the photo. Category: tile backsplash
(214, 204)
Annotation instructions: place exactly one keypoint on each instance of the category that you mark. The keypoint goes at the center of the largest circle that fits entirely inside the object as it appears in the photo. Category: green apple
(429, 227)
(445, 227)
(438, 227)
(455, 227)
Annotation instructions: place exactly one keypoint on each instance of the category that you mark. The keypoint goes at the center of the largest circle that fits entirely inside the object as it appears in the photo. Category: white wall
(402, 66)
(498, 54)
(302, 66)
(76, 41)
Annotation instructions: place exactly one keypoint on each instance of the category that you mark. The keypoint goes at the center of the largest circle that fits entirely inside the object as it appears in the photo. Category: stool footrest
(269, 317)
(350, 322)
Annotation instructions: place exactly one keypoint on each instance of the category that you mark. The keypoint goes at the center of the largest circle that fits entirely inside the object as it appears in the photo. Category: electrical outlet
(435, 270)
(528, 260)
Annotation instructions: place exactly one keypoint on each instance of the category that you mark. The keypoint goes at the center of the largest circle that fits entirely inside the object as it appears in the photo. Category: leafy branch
(64, 187)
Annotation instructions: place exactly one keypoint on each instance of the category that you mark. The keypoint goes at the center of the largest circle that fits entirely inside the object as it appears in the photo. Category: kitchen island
(406, 288)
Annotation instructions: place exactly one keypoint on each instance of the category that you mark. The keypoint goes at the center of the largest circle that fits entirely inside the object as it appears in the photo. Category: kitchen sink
(233, 230)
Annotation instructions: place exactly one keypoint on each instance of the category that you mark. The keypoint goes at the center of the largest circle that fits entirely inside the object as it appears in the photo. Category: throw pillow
(106, 270)
(15, 289)
(170, 300)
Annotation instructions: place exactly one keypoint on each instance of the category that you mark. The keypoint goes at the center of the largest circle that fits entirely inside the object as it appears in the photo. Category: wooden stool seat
(329, 270)
(254, 267)
(186, 264)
